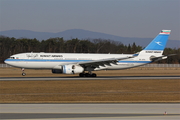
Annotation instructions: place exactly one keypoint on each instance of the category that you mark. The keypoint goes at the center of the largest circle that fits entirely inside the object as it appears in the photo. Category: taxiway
(90, 111)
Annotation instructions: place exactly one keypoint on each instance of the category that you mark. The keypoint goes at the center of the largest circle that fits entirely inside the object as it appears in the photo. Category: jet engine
(69, 69)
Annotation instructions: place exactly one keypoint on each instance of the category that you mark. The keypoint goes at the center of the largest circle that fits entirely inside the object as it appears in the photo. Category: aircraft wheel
(87, 74)
(81, 75)
(23, 74)
(93, 75)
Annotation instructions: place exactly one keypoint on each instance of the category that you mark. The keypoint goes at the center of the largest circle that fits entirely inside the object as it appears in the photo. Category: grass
(90, 91)
(140, 71)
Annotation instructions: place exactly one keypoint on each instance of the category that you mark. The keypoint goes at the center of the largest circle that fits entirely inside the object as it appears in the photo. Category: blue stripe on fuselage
(50, 60)
(43, 60)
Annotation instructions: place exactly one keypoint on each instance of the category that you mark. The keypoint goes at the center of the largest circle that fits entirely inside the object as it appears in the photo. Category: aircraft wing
(102, 62)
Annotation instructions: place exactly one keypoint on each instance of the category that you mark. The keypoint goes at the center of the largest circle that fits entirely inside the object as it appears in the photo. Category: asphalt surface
(89, 78)
(90, 111)
(60, 116)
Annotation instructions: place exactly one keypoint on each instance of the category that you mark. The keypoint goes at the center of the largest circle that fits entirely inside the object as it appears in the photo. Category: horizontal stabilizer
(154, 59)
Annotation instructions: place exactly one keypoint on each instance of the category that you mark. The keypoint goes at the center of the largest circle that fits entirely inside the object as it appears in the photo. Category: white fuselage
(56, 60)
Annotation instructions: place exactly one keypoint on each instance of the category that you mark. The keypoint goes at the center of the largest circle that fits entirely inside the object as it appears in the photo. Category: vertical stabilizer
(159, 42)
(157, 45)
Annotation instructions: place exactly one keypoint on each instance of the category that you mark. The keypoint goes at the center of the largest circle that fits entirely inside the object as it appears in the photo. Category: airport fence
(4, 65)
(148, 65)
(162, 65)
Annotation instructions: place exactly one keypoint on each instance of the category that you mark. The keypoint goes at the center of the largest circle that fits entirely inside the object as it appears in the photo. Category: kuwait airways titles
(37, 55)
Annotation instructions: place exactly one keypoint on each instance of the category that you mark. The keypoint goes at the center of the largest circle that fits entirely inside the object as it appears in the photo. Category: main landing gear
(23, 73)
(87, 74)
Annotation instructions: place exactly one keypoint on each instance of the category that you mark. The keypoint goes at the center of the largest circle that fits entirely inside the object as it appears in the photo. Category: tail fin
(159, 42)
(156, 46)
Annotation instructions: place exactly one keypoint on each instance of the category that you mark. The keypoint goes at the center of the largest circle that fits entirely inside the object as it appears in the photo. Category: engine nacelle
(72, 69)
(69, 69)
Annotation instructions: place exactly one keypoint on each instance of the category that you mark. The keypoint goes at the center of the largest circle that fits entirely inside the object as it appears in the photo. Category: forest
(10, 46)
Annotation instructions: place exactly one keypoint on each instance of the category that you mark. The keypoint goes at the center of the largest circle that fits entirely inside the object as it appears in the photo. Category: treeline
(10, 46)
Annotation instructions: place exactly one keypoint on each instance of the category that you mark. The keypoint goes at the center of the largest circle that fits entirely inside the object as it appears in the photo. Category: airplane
(73, 63)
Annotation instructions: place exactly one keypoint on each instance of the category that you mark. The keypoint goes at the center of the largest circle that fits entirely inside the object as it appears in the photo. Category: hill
(82, 34)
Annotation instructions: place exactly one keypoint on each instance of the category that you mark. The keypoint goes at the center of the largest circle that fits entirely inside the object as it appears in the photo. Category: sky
(125, 18)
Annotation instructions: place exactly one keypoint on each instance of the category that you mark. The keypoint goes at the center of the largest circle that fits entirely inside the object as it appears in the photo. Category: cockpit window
(11, 57)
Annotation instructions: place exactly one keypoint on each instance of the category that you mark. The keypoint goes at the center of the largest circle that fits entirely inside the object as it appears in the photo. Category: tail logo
(159, 43)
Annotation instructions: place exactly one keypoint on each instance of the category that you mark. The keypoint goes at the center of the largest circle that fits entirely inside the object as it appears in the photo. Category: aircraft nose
(6, 61)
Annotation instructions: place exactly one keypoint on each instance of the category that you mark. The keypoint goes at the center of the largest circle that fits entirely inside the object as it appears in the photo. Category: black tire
(81, 75)
(87, 75)
(93, 75)
(23, 74)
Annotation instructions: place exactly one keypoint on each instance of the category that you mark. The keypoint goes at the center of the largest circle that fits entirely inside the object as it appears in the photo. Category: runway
(89, 78)
(90, 111)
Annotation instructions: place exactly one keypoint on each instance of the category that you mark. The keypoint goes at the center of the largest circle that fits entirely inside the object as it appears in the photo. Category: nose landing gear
(23, 73)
